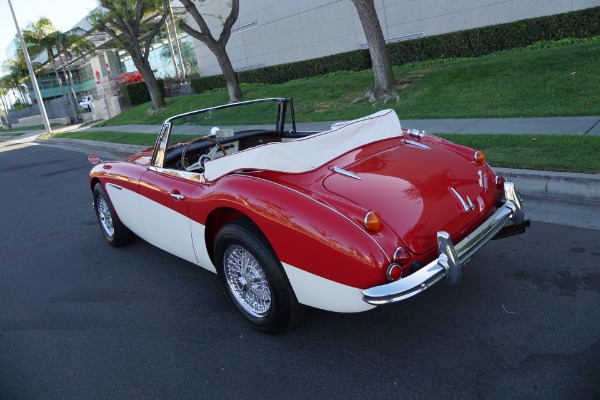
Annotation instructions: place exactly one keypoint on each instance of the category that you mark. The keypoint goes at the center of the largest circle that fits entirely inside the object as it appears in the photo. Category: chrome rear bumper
(448, 265)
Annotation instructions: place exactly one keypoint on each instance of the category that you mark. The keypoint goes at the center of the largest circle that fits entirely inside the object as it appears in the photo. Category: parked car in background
(364, 214)
(86, 103)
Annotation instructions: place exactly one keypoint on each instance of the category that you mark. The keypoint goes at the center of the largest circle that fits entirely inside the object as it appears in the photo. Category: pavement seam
(591, 128)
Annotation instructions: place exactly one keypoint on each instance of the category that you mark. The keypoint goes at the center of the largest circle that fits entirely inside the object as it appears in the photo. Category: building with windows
(98, 73)
(270, 32)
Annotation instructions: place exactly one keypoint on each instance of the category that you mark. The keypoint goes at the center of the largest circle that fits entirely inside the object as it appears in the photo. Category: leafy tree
(17, 74)
(42, 37)
(216, 46)
(383, 76)
(133, 24)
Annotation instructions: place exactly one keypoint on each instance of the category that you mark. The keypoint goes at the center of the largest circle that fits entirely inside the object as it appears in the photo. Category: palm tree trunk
(62, 91)
(171, 49)
(72, 100)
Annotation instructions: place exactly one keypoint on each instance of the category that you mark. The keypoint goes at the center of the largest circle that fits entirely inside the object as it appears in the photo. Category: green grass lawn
(556, 81)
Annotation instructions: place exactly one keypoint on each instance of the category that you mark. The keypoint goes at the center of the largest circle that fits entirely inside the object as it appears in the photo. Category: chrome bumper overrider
(448, 265)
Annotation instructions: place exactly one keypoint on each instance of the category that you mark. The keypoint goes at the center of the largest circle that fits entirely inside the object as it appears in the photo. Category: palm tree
(73, 45)
(17, 74)
(42, 37)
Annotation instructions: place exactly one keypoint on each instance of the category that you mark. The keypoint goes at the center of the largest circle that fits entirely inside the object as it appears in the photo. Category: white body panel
(167, 229)
(127, 205)
(200, 247)
(314, 291)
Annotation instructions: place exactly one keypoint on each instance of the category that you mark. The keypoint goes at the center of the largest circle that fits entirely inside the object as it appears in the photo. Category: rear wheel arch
(215, 220)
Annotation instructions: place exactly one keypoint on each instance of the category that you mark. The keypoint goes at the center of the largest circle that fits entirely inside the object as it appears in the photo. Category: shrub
(206, 83)
(137, 93)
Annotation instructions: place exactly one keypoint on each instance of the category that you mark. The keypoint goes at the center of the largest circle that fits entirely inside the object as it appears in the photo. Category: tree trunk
(62, 92)
(158, 101)
(233, 86)
(383, 76)
(217, 47)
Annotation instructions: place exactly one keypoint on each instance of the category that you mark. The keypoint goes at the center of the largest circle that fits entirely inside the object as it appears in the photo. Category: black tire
(262, 294)
(111, 226)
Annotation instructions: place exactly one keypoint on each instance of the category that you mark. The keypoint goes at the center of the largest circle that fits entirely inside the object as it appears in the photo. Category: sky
(64, 14)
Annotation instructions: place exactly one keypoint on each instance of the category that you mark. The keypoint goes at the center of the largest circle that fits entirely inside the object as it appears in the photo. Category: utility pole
(31, 72)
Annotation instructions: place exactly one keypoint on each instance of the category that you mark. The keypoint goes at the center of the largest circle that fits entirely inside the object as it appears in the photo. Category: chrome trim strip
(160, 148)
(342, 171)
(417, 144)
(451, 259)
(190, 176)
(468, 207)
(115, 186)
(416, 133)
(269, 99)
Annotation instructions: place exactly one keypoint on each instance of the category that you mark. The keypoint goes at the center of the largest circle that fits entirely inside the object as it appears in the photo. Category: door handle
(177, 196)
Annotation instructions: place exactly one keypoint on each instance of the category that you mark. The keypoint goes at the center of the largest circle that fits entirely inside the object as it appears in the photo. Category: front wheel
(254, 279)
(113, 229)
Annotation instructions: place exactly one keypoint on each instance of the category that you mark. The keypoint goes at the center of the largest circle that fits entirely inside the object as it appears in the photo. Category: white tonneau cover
(309, 153)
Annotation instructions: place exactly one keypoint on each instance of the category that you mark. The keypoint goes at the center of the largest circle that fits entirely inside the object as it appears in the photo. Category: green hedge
(489, 39)
(357, 60)
(208, 83)
(467, 43)
(137, 93)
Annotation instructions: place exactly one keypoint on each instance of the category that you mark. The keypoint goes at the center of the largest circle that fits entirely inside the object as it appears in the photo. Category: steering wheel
(199, 165)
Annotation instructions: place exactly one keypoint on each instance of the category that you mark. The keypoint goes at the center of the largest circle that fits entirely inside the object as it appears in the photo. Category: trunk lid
(418, 190)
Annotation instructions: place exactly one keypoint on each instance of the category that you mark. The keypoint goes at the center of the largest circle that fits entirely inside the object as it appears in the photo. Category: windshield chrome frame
(162, 140)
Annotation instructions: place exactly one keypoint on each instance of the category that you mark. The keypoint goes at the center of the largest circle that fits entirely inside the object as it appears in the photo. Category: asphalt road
(82, 320)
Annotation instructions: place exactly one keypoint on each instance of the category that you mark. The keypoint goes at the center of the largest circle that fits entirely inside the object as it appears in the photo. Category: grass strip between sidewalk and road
(567, 153)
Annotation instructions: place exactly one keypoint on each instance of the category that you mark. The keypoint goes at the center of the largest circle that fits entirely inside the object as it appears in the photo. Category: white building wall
(271, 32)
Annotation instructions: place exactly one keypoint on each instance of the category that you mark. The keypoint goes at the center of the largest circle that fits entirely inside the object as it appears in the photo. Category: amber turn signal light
(479, 157)
(372, 221)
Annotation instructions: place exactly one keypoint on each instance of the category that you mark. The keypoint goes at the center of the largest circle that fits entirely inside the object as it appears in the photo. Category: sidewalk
(552, 125)
(539, 184)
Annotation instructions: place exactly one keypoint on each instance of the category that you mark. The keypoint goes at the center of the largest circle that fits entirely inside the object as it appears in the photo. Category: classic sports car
(363, 214)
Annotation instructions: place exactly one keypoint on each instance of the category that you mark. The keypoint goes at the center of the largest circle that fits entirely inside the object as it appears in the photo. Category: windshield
(235, 124)
(234, 118)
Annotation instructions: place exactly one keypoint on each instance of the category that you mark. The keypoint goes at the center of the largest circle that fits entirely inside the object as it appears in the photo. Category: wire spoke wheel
(111, 226)
(247, 281)
(105, 217)
(254, 279)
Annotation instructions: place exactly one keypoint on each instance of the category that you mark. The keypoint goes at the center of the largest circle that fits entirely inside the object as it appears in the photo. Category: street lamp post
(31, 72)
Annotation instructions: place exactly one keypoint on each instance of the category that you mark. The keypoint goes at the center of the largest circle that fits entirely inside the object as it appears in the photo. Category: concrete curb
(537, 184)
(554, 185)
(93, 145)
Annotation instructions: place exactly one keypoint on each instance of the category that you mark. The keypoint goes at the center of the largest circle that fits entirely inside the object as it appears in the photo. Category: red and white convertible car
(364, 214)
